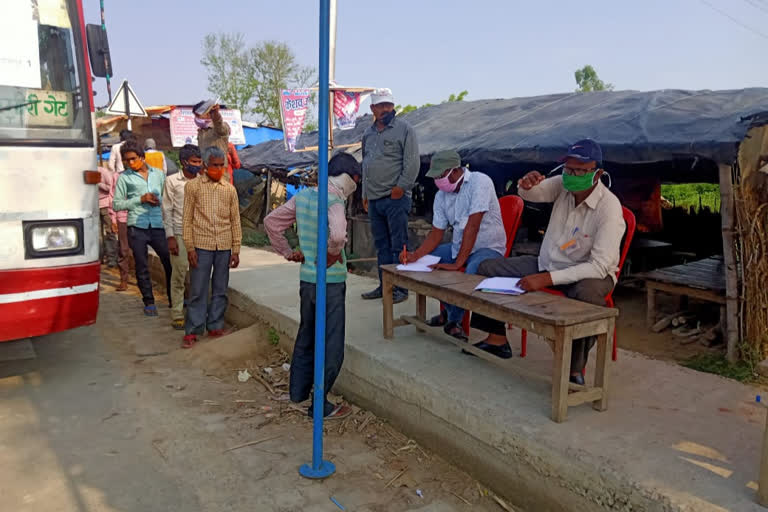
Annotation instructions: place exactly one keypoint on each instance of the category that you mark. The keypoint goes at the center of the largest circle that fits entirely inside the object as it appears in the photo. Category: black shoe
(503, 351)
(577, 379)
(455, 330)
(371, 295)
(399, 296)
(437, 321)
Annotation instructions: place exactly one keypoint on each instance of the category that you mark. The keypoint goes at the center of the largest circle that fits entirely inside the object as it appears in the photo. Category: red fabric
(233, 162)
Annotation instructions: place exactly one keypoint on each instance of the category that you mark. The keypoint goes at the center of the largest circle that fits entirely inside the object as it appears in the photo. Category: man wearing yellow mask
(139, 190)
(580, 252)
(212, 235)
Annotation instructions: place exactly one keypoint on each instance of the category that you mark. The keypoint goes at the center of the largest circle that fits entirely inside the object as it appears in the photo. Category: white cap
(382, 95)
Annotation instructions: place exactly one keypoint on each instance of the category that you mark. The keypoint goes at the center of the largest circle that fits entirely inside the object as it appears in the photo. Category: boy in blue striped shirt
(343, 176)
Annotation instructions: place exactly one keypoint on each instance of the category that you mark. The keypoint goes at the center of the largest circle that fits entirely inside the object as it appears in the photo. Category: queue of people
(190, 219)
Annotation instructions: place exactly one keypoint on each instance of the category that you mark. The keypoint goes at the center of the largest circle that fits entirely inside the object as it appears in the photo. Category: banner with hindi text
(294, 104)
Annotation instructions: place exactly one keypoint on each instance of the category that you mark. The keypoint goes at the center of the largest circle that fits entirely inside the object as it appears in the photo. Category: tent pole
(321, 468)
(729, 258)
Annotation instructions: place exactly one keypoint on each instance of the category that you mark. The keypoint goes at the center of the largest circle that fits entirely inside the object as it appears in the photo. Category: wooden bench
(702, 279)
(556, 318)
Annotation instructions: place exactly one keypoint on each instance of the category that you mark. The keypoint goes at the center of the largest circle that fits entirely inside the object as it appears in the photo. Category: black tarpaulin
(632, 127)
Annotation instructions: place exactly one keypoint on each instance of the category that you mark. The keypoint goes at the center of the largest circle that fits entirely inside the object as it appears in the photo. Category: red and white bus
(49, 217)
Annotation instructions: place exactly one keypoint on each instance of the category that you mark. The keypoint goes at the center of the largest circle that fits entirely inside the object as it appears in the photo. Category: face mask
(344, 184)
(387, 118)
(445, 184)
(215, 174)
(203, 123)
(578, 183)
(136, 165)
(193, 169)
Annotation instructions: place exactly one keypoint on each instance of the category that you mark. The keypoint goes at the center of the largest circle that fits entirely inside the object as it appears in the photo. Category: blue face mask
(193, 169)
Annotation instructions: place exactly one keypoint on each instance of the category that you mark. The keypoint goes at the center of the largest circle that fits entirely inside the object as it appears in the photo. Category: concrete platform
(672, 439)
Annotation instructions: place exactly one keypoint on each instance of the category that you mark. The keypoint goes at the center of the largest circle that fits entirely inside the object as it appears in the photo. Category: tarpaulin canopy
(632, 127)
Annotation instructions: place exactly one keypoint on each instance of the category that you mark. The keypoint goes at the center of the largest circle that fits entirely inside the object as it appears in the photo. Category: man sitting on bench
(580, 252)
(467, 202)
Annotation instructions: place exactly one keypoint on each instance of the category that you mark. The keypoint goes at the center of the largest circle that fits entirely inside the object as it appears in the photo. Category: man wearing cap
(580, 252)
(390, 168)
(301, 209)
(467, 202)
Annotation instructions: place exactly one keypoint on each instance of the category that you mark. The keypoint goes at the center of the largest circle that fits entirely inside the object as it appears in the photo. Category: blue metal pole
(321, 468)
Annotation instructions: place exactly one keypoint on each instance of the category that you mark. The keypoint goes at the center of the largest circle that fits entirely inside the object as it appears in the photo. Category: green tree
(410, 108)
(249, 78)
(588, 81)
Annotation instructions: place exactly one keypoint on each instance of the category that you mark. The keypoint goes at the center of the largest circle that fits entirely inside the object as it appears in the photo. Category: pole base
(325, 470)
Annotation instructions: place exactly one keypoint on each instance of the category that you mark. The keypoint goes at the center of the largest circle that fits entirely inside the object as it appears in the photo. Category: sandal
(150, 310)
(178, 324)
(189, 341)
(455, 330)
(339, 412)
(437, 321)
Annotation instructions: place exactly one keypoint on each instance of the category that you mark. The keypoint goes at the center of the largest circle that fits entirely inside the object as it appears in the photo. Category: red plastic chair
(511, 216)
(629, 219)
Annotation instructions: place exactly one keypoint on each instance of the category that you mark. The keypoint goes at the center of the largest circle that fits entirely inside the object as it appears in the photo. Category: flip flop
(339, 412)
(437, 321)
(150, 310)
(455, 330)
(178, 324)
(189, 341)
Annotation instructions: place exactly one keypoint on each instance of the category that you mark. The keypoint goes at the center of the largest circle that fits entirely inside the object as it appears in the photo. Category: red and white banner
(294, 104)
(346, 104)
(184, 129)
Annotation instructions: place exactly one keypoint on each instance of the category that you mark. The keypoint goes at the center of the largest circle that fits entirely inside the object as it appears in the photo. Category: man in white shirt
(115, 160)
(580, 252)
(173, 216)
(466, 201)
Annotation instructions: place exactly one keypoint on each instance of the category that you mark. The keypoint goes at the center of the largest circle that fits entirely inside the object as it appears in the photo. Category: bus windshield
(43, 93)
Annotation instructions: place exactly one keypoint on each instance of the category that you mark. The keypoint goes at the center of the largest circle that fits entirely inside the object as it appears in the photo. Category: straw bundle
(751, 201)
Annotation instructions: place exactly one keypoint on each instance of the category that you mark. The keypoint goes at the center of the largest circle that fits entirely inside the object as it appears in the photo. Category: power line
(723, 13)
(758, 5)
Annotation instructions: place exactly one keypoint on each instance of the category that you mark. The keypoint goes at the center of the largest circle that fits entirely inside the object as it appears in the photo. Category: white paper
(420, 265)
(19, 47)
(504, 285)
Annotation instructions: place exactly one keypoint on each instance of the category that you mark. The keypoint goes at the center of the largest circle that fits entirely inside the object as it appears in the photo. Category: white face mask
(344, 184)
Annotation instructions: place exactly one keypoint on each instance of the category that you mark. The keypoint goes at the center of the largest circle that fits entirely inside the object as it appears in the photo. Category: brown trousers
(123, 250)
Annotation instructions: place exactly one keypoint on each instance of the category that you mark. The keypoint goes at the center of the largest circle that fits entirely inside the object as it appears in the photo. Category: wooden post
(387, 305)
(561, 373)
(650, 310)
(602, 365)
(421, 307)
(268, 204)
(727, 215)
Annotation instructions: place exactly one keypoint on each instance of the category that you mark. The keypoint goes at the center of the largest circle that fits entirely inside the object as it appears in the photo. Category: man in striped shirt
(344, 174)
(212, 236)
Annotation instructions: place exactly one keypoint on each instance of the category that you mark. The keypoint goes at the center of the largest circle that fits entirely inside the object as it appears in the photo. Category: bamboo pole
(729, 258)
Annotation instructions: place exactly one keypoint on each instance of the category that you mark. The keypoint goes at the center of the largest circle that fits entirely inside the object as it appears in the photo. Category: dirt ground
(221, 443)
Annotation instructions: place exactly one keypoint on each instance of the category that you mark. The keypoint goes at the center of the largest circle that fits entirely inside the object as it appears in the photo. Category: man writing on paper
(467, 202)
(580, 252)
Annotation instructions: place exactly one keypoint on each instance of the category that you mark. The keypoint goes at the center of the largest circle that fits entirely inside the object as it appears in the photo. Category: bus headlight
(50, 238)
(54, 238)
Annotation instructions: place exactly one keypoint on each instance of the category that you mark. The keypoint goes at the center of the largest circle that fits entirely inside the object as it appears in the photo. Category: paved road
(103, 421)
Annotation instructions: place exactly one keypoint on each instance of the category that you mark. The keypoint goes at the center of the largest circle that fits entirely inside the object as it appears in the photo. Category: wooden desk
(702, 279)
(556, 318)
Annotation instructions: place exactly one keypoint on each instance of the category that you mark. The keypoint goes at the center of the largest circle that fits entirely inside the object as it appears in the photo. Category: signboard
(48, 108)
(294, 104)
(126, 103)
(184, 129)
(53, 13)
(19, 46)
(345, 107)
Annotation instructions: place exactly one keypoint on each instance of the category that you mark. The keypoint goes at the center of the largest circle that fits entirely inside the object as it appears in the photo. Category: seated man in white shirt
(580, 252)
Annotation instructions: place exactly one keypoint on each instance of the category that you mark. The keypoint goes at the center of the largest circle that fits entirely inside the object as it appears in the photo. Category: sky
(424, 50)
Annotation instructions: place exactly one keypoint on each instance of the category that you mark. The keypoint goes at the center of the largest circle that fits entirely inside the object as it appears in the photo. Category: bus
(49, 215)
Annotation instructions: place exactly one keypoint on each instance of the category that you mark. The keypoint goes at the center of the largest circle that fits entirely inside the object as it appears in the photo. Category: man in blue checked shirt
(139, 190)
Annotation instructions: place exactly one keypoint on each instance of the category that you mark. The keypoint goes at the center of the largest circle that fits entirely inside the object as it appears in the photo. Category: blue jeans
(455, 313)
(200, 314)
(389, 226)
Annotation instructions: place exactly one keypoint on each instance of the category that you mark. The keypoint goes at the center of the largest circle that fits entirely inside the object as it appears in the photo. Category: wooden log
(729, 258)
(664, 322)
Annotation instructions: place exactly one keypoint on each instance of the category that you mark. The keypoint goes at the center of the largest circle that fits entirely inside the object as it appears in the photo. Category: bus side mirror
(98, 51)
